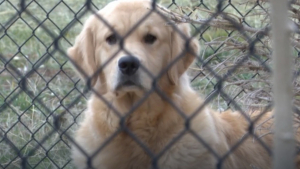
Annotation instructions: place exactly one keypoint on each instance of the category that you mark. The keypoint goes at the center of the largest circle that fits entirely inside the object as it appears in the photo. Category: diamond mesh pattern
(42, 100)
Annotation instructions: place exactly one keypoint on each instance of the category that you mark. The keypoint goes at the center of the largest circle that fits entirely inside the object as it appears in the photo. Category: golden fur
(155, 122)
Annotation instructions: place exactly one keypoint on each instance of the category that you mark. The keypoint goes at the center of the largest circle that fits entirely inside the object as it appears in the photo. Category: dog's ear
(180, 48)
(83, 53)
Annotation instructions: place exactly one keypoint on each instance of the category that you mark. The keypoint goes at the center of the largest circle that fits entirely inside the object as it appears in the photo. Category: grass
(24, 121)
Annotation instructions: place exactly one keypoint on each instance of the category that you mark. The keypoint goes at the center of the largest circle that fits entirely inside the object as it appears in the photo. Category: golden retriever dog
(144, 114)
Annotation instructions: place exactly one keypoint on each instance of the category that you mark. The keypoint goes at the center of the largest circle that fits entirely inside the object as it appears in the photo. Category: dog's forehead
(128, 5)
(130, 11)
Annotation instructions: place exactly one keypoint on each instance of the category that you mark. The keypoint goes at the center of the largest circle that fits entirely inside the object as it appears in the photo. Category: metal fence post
(284, 150)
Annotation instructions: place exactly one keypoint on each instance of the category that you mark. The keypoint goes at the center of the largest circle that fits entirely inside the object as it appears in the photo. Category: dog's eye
(112, 39)
(150, 39)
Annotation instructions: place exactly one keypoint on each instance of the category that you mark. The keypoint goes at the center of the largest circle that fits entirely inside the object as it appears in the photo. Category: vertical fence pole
(284, 146)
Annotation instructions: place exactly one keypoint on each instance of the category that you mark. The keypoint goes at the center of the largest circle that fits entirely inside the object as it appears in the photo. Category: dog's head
(130, 47)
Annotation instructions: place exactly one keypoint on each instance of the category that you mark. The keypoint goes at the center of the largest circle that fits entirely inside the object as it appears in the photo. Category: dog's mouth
(129, 85)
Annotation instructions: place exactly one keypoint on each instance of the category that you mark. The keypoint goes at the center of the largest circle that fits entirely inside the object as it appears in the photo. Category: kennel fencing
(42, 100)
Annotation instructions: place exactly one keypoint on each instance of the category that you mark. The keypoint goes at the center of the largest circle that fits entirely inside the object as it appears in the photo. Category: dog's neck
(143, 112)
(150, 119)
(133, 108)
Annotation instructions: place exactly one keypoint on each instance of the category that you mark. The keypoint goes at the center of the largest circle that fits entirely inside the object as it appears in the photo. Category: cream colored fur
(155, 123)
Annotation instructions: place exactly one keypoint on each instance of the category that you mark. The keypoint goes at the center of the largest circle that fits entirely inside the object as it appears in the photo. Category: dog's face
(129, 64)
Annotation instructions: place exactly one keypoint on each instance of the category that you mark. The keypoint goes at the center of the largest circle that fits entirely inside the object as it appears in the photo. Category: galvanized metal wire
(22, 156)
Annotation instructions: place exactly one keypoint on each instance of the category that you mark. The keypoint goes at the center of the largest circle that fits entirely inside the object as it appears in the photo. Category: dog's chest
(135, 153)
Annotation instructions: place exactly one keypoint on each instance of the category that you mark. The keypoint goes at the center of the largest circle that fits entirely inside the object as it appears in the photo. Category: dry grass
(226, 49)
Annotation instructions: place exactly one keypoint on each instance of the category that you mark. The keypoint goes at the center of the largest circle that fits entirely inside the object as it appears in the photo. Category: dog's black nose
(128, 65)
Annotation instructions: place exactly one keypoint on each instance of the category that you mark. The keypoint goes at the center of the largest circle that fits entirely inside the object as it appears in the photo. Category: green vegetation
(25, 122)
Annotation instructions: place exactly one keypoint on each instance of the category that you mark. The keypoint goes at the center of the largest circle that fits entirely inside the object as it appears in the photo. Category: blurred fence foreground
(284, 150)
(42, 100)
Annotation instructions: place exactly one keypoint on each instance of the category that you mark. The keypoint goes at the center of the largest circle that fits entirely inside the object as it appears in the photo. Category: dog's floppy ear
(83, 53)
(180, 49)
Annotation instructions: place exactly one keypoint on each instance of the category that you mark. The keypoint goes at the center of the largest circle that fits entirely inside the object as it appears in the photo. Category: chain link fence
(42, 100)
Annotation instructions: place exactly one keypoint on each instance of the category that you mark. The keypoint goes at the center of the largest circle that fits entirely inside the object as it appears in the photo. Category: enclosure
(42, 99)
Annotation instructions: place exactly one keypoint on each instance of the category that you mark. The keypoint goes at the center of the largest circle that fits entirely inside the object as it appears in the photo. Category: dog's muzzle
(128, 72)
(128, 65)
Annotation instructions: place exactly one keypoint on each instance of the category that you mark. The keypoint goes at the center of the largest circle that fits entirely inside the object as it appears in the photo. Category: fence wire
(42, 100)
